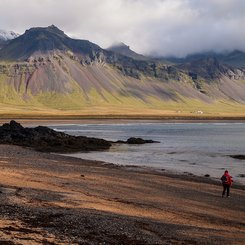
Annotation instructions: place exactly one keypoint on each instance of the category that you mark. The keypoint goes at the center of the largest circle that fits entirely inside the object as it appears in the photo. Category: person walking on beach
(226, 182)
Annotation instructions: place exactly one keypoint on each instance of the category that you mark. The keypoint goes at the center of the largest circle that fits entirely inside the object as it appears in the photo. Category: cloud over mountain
(161, 27)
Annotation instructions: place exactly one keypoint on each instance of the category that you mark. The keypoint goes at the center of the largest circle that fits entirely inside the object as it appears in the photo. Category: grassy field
(155, 110)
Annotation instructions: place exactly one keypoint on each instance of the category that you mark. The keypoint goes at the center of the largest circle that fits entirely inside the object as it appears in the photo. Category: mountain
(5, 36)
(208, 69)
(2, 43)
(125, 50)
(235, 58)
(45, 72)
(43, 40)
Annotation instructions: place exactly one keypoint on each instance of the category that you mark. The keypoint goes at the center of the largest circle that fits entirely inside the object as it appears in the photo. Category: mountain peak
(123, 49)
(43, 40)
(55, 29)
(46, 31)
(7, 35)
(120, 45)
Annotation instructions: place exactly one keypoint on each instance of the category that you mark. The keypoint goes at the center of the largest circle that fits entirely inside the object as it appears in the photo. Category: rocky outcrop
(136, 141)
(46, 139)
(240, 157)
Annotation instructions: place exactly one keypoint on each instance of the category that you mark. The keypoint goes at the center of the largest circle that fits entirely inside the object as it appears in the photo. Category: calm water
(198, 148)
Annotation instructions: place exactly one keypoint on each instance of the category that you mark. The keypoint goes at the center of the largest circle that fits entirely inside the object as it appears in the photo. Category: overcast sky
(161, 27)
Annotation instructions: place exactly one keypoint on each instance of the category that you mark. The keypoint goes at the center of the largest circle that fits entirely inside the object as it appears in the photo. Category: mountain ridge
(123, 49)
(235, 58)
(7, 35)
(44, 68)
(42, 39)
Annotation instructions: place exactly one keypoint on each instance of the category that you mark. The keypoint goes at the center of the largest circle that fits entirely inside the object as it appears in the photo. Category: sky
(151, 27)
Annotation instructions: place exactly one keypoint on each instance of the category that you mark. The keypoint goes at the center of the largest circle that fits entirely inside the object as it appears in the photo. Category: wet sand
(52, 199)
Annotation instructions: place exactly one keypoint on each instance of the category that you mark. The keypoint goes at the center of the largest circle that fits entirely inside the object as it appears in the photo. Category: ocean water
(197, 148)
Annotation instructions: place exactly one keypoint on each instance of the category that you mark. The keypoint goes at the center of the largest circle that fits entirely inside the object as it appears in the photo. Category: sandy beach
(52, 199)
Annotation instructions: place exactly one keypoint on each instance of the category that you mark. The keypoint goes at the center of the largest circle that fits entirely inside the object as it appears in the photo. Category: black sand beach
(51, 199)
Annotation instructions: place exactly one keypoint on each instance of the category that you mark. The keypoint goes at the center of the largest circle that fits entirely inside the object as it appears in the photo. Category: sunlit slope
(57, 84)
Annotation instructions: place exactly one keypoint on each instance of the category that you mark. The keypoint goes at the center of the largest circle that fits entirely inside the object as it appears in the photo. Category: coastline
(107, 120)
(59, 147)
(58, 199)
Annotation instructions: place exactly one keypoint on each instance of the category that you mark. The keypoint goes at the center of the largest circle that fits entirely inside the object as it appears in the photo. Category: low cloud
(159, 27)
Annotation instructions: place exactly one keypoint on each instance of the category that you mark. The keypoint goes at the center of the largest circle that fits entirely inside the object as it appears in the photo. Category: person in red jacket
(226, 182)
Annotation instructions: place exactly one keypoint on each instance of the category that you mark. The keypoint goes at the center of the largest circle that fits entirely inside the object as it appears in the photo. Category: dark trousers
(226, 188)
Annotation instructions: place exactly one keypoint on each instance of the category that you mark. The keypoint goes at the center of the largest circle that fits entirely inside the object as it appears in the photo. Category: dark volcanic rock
(46, 139)
(240, 157)
(136, 141)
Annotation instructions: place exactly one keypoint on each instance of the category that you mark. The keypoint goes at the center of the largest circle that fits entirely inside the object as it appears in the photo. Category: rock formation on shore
(46, 139)
(240, 157)
(136, 141)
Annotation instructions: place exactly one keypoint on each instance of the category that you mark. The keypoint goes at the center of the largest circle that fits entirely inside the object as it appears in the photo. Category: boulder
(136, 141)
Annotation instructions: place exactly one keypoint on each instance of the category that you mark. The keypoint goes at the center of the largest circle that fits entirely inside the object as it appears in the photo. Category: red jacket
(226, 179)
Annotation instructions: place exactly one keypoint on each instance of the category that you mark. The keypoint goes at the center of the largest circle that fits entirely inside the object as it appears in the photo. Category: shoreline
(75, 153)
(49, 198)
(171, 173)
(50, 121)
(186, 176)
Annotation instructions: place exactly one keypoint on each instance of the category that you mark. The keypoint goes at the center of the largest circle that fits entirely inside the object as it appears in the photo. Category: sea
(191, 148)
